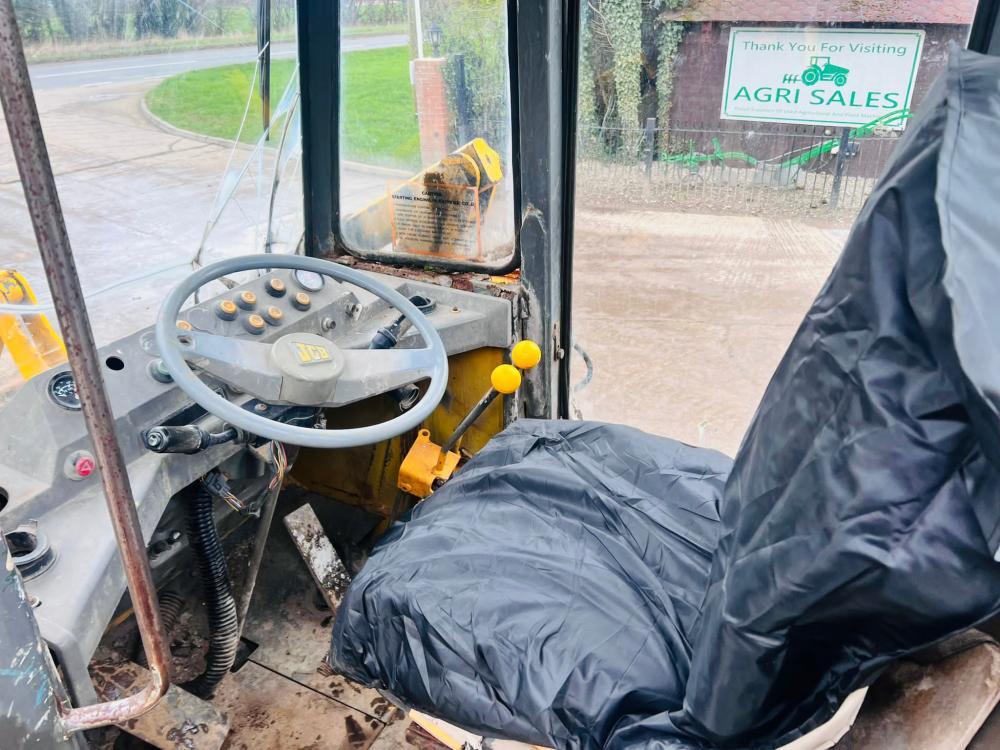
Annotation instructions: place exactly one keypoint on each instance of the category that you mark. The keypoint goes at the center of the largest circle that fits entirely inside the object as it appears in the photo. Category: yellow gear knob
(505, 378)
(525, 354)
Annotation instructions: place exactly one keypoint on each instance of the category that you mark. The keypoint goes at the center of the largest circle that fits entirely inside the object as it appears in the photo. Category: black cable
(224, 632)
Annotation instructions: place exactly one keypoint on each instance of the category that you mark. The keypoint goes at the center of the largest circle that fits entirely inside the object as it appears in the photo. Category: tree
(626, 75)
(74, 17)
(33, 19)
(158, 18)
(111, 17)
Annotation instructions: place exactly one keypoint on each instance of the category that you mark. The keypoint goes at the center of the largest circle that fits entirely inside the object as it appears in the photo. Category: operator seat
(583, 585)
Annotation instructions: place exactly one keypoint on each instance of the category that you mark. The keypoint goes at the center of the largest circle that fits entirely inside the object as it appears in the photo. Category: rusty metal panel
(936, 706)
(180, 721)
(270, 711)
(320, 557)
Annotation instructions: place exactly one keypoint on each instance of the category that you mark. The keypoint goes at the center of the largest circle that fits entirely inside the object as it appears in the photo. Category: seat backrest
(861, 520)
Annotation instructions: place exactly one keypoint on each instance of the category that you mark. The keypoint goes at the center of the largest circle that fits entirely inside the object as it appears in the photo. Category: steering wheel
(302, 369)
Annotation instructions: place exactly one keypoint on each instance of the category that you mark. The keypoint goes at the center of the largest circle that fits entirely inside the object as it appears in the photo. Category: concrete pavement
(686, 316)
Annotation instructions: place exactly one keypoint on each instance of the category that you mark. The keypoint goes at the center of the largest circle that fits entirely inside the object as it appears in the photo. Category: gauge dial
(62, 390)
(309, 280)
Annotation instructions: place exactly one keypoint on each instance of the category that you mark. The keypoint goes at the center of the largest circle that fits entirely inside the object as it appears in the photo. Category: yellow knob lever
(426, 464)
(525, 354)
(505, 379)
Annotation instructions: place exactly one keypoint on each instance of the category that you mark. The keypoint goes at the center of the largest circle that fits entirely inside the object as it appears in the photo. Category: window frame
(543, 44)
(319, 59)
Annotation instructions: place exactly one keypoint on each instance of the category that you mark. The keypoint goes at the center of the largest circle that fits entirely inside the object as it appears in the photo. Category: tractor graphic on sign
(821, 69)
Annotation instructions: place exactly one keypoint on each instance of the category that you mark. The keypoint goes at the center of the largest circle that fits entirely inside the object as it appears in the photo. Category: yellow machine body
(30, 338)
(424, 465)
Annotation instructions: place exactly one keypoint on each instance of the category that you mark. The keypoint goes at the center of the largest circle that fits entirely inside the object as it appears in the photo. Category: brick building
(699, 68)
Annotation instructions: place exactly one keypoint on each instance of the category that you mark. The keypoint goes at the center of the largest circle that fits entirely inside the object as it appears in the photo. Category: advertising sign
(839, 77)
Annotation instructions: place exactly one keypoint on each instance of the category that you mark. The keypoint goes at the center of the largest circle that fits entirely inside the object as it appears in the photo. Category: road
(79, 73)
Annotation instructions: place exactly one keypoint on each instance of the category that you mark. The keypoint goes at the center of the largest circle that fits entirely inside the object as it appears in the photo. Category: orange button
(184, 325)
(301, 301)
(247, 300)
(227, 310)
(276, 288)
(254, 323)
(274, 315)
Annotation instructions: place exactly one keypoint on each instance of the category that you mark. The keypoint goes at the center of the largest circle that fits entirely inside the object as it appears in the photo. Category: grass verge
(379, 122)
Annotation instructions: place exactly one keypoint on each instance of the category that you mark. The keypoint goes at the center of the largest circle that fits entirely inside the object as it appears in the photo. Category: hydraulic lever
(186, 438)
(428, 465)
(388, 336)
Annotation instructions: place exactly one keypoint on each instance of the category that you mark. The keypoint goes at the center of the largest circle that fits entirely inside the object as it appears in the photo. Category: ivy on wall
(586, 99)
(628, 55)
(668, 41)
(623, 22)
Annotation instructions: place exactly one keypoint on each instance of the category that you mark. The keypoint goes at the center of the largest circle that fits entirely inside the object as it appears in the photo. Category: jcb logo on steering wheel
(311, 354)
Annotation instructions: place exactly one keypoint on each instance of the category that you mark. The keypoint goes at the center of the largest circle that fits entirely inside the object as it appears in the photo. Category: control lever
(388, 336)
(428, 465)
(185, 439)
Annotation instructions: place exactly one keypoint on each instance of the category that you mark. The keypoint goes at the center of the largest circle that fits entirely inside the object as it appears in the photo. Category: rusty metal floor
(283, 696)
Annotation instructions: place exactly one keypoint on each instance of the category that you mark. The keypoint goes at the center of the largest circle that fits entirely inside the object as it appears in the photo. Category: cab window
(724, 150)
(425, 138)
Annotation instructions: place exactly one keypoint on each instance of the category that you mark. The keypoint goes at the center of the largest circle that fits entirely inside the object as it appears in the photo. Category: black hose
(171, 608)
(224, 632)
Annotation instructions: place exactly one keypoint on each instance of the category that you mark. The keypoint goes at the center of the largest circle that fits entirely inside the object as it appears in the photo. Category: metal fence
(761, 168)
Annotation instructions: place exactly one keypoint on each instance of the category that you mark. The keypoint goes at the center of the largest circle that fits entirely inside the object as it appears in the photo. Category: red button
(84, 466)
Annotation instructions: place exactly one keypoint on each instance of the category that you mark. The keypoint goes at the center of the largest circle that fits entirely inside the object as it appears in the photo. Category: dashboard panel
(46, 465)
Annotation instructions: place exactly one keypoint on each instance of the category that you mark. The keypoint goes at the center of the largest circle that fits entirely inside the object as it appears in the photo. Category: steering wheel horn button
(309, 365)
(311, 354)
(227, 310)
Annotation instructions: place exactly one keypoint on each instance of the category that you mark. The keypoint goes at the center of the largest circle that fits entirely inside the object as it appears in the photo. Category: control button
(158, 371)
(84, 466)
(247, 300)
(227, 310)
(254, 324)
(184, 325)
(276, 288)
(301, 301)
(79, 465)
(273, 315)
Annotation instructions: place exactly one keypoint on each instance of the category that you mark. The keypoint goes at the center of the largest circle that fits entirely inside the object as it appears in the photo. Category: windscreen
(426, 173)
(173, 132)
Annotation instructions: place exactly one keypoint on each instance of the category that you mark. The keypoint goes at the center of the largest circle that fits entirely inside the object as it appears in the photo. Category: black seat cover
(549, 588)
(582, 586)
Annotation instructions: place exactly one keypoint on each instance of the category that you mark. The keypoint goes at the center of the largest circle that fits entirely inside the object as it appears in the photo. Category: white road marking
(117, 68)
